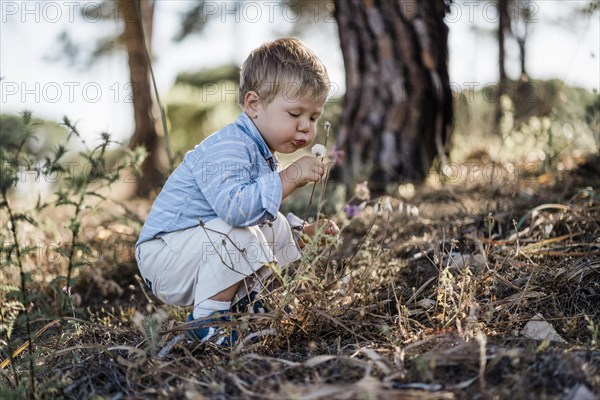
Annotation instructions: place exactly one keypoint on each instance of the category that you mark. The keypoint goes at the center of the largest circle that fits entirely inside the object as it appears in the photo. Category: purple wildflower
(351, 210)
(336, 155)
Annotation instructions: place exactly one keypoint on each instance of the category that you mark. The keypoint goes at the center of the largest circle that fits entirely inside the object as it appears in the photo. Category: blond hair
(284, 66)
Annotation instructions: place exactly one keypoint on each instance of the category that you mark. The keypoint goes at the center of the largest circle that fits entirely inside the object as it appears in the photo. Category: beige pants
(189, 266)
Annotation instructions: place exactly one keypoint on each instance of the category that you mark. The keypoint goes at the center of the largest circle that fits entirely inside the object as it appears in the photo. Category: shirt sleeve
(225, 176)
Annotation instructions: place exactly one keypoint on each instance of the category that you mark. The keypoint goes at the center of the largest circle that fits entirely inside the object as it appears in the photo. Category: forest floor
(490, 291)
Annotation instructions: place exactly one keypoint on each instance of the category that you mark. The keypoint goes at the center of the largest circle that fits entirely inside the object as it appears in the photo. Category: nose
(303, 125)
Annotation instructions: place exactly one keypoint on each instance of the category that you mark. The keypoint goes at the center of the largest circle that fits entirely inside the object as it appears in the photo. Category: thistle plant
(12, 157)
(78, 187)
(74, 191)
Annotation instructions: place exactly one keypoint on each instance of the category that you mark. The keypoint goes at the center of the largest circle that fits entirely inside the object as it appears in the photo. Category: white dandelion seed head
(361, 191)
(327, 125)
(319, 150)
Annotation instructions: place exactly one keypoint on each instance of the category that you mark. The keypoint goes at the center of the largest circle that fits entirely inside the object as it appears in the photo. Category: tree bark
(397, 112)
(145, 133)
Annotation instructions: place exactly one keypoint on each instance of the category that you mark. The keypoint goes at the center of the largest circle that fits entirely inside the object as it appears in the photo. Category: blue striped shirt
(231, 175)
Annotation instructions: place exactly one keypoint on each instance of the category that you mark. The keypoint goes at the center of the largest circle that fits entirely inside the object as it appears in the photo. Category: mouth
(299, 143)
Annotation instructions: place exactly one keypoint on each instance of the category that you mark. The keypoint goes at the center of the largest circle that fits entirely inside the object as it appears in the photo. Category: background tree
(519, 28)
(514, 19)
(136, 37)
(397, 113)
(133, 39)
(503, 30)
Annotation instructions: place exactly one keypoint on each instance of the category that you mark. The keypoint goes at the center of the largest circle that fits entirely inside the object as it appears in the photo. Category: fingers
(331, 229)
(318, 169)
(312, 169)
(306, 169)
(334, 229)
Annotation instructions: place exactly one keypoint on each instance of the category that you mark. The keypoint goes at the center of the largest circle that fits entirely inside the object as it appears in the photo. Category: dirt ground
(431, 300)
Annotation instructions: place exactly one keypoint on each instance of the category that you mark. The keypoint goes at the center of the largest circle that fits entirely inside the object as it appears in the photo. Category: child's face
(288, 124)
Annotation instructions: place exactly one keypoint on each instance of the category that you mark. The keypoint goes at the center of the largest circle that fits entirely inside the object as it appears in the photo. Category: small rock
(539, 329)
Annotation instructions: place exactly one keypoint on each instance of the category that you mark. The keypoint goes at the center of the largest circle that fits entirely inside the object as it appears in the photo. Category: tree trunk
(145, 133)
(521, 41)
(397, 112)
(503, 28)
(520, 30)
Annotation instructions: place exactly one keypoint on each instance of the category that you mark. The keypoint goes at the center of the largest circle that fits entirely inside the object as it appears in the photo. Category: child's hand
(304, 170)
(331, 229)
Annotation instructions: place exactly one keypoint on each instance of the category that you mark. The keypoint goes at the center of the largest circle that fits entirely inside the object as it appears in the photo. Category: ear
(251, 103)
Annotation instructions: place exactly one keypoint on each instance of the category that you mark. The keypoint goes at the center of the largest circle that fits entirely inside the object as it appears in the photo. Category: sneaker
(249, 304)
(206, 330)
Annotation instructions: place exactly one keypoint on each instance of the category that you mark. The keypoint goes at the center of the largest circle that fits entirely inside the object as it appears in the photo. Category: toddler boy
(216, 224)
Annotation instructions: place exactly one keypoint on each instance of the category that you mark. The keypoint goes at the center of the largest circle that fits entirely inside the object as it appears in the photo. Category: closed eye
(294, 115)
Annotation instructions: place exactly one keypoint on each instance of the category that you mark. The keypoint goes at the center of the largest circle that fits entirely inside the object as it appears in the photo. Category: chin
(287, 151)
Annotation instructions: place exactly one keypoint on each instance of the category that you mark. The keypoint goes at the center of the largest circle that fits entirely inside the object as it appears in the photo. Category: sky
(98, 97)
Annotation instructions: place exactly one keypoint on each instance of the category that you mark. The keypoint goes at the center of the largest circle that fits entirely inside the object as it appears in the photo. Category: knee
(280, 224)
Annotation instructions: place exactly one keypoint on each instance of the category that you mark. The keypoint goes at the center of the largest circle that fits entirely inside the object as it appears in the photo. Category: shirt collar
(248, 127)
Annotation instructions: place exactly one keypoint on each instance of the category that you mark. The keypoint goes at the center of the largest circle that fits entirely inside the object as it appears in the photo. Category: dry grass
(416, 307)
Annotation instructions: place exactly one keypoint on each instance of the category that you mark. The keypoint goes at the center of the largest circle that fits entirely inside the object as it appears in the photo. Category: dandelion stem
(312, 193)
